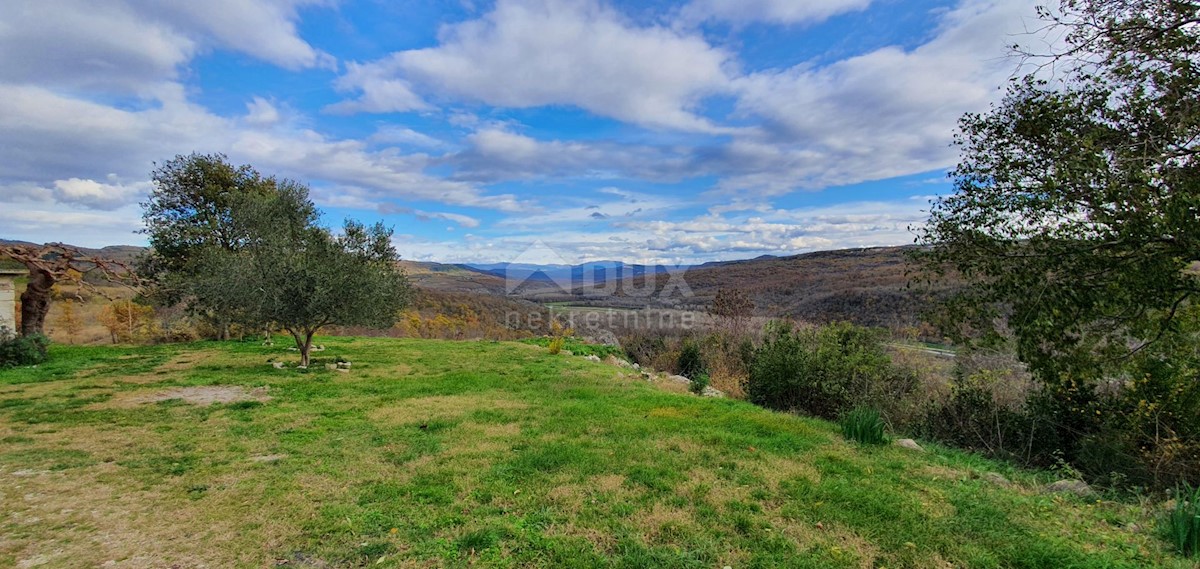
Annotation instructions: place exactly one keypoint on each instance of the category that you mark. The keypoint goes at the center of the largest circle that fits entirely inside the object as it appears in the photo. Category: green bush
(699, 383)
(22, 350)
(691, 363)
(825, 371)
(863, 425)
(1183, 522)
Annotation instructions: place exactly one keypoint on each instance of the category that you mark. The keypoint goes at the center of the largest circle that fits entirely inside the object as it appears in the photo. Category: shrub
(699, 384)
(22, 350)
(691, 364)
(1183, 521)
(825, 371)
(863, 425)
(643, 348)
(556, 344)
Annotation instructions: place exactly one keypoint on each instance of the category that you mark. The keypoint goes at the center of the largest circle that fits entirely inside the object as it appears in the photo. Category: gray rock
(1073, 487)
(909, 444)
(277, 365)
(593, 358)
(615, 361)
(679, 379)
(637, 367)
(709, 391)
(996, 478)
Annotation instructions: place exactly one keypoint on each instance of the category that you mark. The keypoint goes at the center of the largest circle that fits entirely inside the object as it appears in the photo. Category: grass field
(459, 454)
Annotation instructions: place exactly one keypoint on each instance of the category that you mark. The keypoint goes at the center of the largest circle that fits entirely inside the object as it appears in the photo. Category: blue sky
(652, 131)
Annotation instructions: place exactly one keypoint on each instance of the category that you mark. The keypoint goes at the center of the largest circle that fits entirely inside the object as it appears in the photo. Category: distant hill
(121, 253)
(866, 286)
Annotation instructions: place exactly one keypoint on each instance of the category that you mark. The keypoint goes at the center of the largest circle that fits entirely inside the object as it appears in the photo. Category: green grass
(864, 426)
(465, 454)
(579, 347)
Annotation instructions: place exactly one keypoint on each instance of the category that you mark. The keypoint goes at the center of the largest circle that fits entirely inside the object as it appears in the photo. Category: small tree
(127, 321)
(69, 320)
(733, 308)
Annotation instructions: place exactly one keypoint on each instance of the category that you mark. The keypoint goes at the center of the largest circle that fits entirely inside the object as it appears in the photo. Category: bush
(691, 364)
(863, 425)
(556, 344)
(1183, 522)
(22, 350)
(699, 384)
(825, 371)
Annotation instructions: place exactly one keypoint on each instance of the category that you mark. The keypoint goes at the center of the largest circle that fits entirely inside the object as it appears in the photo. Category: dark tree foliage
(1076, 215)
(188, 216)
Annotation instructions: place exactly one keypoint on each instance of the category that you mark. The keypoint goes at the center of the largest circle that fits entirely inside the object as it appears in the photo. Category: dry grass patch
(663, 524)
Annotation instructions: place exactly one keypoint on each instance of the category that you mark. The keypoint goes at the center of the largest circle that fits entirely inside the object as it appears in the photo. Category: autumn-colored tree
(127, 321)
(69, 320)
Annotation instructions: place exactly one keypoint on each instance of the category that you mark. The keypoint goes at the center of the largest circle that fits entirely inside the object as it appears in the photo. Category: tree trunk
(35, 302)
(304, 344)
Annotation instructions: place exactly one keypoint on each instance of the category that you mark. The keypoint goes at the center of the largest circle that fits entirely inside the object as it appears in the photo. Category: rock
(344, 365)
(637, 366)
(615, 361)
(679, 379)
(277, 365)
(1073, 487)
(331, 367)
(710, 391)
(602, 337)
(996, 478)
(646, 375)
(909, 444)
(593, 358)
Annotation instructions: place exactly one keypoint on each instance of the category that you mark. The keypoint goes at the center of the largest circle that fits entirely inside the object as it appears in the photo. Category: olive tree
(284, 269)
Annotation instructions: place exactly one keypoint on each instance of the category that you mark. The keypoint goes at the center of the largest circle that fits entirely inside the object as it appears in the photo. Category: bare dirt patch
(198, 395)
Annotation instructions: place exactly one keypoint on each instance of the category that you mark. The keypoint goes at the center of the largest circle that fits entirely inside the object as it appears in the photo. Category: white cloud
(462, 220)
(50, 137)
(382, 91)
(530, 53)
(98, 195)
(886, 113)
(264, 29)
(70, 43)
(771, 11)
(392, 134)
(495, 154)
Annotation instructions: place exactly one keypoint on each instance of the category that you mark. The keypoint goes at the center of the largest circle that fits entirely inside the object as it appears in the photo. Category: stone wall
(8, 305)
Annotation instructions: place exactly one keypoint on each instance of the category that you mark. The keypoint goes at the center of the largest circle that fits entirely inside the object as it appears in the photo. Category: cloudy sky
(638, 130)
